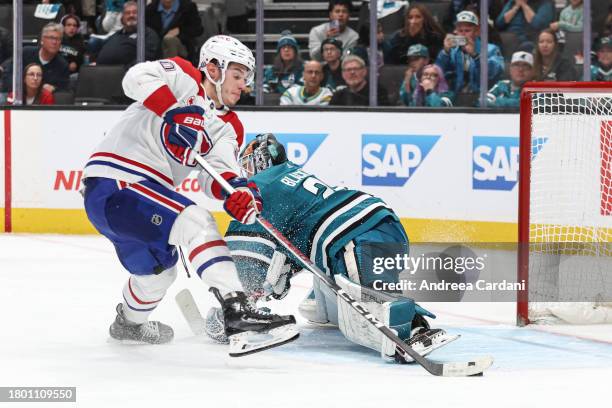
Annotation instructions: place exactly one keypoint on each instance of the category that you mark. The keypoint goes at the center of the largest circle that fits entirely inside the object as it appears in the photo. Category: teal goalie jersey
(320, 220)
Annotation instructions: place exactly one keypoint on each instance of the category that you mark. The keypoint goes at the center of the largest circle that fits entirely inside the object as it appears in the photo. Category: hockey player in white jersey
(180, 111)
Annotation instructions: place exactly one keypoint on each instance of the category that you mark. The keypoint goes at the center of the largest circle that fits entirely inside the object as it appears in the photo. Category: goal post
(565, 203)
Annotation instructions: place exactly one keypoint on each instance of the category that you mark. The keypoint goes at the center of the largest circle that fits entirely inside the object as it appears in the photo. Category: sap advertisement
(446, 166)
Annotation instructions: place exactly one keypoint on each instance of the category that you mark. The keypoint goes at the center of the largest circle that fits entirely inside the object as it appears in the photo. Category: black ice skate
(250, 329)
(149, 332)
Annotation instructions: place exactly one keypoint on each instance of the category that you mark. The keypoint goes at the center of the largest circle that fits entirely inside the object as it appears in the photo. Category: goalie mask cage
(565, 202)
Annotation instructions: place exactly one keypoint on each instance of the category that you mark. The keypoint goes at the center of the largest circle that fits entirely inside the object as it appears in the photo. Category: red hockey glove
(244, 204)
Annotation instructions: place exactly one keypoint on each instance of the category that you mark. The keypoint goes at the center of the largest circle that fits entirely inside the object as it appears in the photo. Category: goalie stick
(475, 367)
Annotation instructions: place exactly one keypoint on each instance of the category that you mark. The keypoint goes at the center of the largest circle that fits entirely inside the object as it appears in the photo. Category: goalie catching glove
(245, 203)
(183, 134)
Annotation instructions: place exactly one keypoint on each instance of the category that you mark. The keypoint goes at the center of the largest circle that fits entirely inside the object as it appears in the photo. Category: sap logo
(390, 160)
(495, 163)
(300, 147)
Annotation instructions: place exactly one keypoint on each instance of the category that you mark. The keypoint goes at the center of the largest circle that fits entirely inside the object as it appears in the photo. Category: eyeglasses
(52, 38)
(430, 75)
(352, 70)
(34, 74)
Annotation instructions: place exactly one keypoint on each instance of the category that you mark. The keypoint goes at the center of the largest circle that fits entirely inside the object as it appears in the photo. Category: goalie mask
(262, 153)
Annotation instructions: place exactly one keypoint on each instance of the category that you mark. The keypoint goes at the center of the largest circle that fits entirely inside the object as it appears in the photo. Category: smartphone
(458, 40)
(334, 25)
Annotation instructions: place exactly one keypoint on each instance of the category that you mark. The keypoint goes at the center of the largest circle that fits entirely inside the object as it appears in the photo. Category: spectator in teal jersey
(432, 90)
(526, 18)
(287, 68)
(507, 92)
(418, 57)
(601, 70)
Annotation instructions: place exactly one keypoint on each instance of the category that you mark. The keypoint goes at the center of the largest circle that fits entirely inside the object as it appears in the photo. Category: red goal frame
(522, 309)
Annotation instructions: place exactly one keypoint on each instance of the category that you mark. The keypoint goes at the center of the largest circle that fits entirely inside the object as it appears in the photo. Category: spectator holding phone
(601, 70)
(549, 64)
(432, 89)
(419, 28)
(460, 58)
(418, 57)
(507, 92)
(526, 18)
(33, 91)
(337, 28)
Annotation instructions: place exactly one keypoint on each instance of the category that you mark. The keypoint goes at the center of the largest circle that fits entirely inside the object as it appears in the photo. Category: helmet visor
(240, 72)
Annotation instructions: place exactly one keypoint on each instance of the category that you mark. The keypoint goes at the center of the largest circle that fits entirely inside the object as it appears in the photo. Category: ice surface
(58, 297)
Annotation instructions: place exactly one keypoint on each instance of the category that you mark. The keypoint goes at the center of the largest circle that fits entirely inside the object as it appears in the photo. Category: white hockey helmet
(225, 49)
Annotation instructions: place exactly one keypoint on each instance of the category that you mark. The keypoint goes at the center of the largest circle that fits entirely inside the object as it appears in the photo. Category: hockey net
(565, 203)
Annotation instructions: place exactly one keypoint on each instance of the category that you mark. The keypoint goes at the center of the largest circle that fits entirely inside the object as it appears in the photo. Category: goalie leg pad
(196, 230)
(397, 314)
(316, 306)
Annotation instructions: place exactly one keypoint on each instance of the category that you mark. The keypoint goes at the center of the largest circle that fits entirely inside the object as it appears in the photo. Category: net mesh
(570, 223)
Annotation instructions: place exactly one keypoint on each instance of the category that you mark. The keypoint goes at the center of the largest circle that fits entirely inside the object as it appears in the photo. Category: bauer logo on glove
(183, 134)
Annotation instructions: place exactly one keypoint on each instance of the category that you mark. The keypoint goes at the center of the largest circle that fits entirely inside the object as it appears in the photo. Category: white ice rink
(58, 297)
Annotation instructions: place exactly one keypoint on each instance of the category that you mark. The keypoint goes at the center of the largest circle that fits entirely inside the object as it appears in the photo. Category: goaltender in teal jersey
(334, 227)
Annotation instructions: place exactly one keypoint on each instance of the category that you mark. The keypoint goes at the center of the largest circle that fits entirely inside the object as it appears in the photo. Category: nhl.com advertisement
(358, 258)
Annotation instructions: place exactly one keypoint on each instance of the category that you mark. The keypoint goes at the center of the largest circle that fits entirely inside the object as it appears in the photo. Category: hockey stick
(451, 369)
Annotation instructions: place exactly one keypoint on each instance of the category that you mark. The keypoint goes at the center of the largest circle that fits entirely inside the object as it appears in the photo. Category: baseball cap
(605, 42)
(522, 56)
(467, 17)
(333, 41)
(417, 50)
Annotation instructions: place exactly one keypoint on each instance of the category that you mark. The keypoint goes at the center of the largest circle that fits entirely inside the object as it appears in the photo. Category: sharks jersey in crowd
(317, 218)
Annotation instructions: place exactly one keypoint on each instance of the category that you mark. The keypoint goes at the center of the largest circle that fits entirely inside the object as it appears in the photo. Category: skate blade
(441, 342)
(251, 342)
(128, 342)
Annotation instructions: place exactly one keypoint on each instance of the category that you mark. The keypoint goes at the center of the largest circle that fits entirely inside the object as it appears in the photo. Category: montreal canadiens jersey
(318, 219)
(133, 149)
